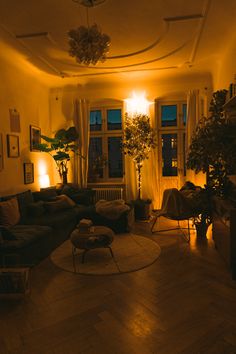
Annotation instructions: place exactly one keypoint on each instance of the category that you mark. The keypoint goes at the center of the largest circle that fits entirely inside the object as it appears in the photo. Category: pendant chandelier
(88, 44)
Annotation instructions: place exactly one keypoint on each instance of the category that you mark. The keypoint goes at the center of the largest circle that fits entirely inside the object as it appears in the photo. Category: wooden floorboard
(184, 303)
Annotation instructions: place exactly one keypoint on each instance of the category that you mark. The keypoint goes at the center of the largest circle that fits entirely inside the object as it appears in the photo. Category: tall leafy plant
(213, 146)
(60, 147)
(138, 140)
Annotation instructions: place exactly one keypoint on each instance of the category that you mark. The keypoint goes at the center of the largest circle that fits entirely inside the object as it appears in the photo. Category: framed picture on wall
(13, 145)
(28, 172)
(35, 138)
(1, 153)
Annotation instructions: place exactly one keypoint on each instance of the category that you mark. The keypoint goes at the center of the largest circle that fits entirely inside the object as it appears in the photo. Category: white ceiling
(155, 37)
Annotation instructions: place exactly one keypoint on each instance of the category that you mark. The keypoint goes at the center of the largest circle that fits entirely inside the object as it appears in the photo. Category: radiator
(108, 193)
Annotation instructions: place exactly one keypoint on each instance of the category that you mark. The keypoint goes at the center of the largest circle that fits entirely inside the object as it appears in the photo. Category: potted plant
(60, 147)
(213, 151)
(138, 140)
(96, 167)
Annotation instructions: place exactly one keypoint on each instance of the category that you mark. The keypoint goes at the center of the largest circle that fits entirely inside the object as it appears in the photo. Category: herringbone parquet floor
(185, 303)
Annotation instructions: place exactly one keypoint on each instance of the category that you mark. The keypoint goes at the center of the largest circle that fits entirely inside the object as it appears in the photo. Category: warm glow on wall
(42, 167)
(44, 181)
(137, 104)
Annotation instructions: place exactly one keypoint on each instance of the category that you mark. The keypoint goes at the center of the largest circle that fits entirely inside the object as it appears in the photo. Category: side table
(101, 237)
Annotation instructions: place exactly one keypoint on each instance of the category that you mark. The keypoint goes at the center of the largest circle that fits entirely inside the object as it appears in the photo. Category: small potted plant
(96, 167)
(138, 140)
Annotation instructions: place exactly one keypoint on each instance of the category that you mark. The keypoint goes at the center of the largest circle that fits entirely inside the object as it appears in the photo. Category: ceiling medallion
(88, 44)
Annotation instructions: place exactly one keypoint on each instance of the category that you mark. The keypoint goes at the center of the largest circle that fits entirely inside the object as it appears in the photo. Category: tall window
(172, 121)
(105, 141)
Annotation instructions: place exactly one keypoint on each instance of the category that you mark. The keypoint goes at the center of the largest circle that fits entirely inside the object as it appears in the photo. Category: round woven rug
(131, 253)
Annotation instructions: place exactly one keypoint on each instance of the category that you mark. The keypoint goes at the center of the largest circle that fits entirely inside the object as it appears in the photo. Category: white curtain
(150, 169)
(81, 122)
(193, 115)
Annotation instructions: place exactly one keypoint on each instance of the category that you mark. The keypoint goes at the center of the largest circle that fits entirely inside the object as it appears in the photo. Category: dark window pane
(168, 116)
(169, 155)
(95, 150)
(114, 121)
(184, 113)
(115, 160)
(95, 120)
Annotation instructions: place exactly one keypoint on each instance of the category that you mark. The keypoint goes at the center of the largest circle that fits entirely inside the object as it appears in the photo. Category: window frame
(179, 128)
(180, 122)
(104, 134)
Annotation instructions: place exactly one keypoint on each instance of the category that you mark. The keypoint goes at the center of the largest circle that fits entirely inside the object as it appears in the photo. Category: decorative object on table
(35, 139)
(13, 149)
(85, 225)
(1, 153)
(138, 140)
(87, 43)
(28, 173)
(59, 147)
(14, 120)
(96, 168)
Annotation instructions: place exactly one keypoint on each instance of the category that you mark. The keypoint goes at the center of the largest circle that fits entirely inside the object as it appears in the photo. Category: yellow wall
(20, 90)
(226, 73)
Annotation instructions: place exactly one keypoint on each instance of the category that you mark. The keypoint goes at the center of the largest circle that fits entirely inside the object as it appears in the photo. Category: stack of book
(85, 226)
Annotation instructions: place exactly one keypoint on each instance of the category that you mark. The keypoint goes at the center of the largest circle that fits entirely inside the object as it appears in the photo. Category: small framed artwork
(1, 153)
(28, 172)
(35, 138)
(13, 145)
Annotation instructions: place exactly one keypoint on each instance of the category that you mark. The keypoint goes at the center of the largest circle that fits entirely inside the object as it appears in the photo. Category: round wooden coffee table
(101, 237)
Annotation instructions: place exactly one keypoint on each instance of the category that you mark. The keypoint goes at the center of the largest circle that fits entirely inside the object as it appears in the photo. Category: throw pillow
(6, 234)
(9, 212)
(66, 199)
(24, 199)
(36, 209)
(58, 204)
(45, 194)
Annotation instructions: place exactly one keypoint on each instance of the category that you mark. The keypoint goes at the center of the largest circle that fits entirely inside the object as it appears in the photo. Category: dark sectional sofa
(43, 225)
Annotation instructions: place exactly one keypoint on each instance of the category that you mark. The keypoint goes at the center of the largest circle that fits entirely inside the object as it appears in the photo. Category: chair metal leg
(111, 251)
(186, 237)
(83, 255)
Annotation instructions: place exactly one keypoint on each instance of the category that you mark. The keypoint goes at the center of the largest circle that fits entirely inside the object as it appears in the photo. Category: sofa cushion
(36, 208)
(24, 198)
(25, 235)
(62, 202)
(66, 199)
(9, 212)
(84, 196)
(6, 234)
(56, 220)
(45, 194)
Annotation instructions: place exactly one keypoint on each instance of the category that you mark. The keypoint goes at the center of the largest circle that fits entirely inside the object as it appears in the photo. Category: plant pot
(64, 177)
(201, 229)
(142, 209)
